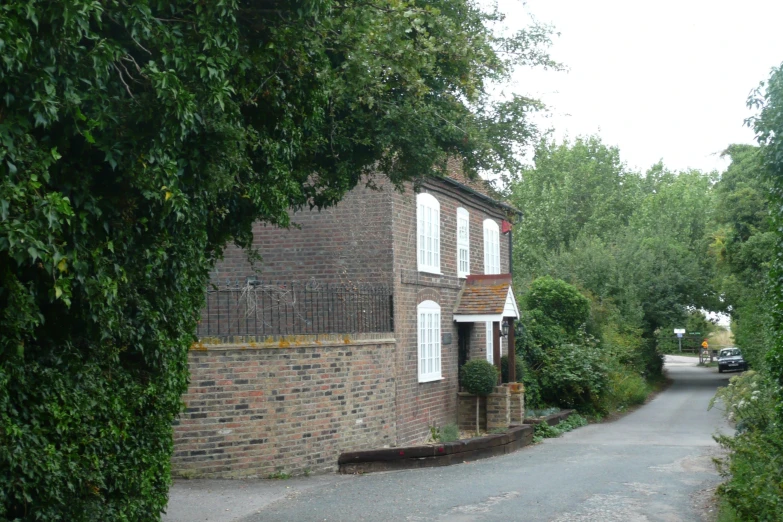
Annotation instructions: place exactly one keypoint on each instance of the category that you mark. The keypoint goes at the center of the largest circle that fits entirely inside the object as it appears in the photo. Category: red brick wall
(420, 405)
(255, 411)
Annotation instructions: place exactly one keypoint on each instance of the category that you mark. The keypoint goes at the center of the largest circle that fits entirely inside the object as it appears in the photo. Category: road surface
(651, 465)
(654, 464)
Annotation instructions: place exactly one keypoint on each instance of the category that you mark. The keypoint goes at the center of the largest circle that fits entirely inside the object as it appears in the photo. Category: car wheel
(720, 370)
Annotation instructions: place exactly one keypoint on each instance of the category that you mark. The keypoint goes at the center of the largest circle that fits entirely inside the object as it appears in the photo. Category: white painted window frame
(428, 330)
(428, 233)
(463, 242)
(490, 352)
(490, 334)
(491, 247)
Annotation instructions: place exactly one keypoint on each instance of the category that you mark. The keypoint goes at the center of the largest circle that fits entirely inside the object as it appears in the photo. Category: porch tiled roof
(483, 295)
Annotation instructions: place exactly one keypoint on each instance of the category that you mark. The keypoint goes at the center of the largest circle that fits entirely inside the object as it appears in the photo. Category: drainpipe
(511, 253)
(511, 245)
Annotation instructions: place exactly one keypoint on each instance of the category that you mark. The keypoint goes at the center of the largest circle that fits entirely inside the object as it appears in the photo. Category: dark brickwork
(350, 242)
(254, 411)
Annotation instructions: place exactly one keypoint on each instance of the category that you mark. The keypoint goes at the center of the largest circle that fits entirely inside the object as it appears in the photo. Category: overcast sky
(660, 80)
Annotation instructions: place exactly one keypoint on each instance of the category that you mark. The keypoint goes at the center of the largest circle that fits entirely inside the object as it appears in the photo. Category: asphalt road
(654, 464)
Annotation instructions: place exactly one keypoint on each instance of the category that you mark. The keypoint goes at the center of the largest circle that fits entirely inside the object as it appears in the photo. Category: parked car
(731, 359)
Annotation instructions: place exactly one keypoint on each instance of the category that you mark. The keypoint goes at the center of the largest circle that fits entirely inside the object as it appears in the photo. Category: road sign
(704, 344)
(679, 330)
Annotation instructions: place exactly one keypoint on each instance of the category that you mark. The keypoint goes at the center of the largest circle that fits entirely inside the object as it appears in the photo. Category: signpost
(679, 332)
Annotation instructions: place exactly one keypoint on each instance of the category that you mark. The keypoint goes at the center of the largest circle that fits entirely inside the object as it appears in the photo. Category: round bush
(479, 377)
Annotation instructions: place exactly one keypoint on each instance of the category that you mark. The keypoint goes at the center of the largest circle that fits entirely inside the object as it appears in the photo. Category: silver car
(731, 359)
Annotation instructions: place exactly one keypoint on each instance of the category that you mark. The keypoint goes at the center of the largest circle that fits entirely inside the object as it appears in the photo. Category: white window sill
(426, 270)
(430, 378)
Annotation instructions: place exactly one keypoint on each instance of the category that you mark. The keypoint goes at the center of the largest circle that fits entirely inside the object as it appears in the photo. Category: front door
(463, 343)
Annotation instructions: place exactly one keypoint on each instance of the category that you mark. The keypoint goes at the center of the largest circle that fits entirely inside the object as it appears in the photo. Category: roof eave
(499, 204)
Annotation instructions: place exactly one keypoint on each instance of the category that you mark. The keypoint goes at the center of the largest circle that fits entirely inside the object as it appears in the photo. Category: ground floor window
(429, 341)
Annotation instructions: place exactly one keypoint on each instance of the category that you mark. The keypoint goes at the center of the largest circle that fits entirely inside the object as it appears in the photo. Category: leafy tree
(769, 132)
(138, 138)
(561, 305)
(635, 244)
(563, 365)
(574, 188)
(743, 248)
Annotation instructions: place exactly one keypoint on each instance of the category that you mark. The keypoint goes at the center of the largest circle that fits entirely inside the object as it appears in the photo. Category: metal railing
(268, 308)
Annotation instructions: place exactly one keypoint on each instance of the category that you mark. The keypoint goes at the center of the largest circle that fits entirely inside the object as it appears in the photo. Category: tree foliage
(742, 246)
(563, 366)
(635, 244)
(747, 246)
(769, 133)
(561, 304)
(138, 138)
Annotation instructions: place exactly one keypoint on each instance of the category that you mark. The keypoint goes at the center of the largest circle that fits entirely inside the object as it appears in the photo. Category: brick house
(427, 248)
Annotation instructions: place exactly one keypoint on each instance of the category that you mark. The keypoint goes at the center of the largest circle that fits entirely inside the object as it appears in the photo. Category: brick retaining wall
(253, 410)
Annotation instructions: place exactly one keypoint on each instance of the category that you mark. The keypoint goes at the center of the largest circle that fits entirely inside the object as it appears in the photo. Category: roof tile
(483, 295)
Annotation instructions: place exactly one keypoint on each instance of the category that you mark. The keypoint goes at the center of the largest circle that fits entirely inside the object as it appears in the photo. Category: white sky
(660, 80)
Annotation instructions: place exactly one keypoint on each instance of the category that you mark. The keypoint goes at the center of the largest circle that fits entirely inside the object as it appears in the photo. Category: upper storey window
(428, 233)
(463, 242)
(491, 247)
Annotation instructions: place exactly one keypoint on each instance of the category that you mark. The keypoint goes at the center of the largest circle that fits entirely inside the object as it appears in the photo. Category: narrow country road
(652, 465)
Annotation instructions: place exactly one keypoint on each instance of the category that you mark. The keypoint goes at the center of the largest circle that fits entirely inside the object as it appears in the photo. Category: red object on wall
(505, 227)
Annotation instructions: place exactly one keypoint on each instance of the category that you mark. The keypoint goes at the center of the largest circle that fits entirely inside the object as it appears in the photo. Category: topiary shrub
(479, 377)
(518, 364)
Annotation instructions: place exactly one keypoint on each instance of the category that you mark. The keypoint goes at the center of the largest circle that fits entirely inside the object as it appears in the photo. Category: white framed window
(463, 243)
(428, 233)
(429, 341)
(490, 351)
(491, 247)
